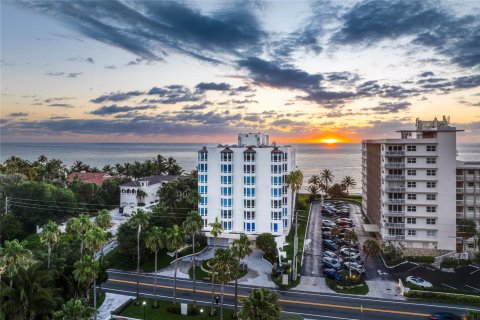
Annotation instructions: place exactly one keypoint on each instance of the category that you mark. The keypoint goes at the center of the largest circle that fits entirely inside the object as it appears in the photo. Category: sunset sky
(201, 71)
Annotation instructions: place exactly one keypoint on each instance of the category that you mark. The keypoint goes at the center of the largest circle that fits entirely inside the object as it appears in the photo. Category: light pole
(201, 313)
(144, 304)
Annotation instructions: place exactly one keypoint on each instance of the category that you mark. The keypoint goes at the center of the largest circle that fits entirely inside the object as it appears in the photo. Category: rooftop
(151, 180)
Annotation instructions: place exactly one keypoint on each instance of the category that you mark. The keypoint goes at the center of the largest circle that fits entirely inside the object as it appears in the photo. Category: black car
(327, 236)
(327, 212)
(444, 316)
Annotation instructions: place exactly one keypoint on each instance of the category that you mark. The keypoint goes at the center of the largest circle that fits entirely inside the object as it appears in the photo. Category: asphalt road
(310, 305)
(312, 257)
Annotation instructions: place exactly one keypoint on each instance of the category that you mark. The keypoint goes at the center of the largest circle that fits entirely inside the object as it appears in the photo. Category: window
(285, 189)
(226, 156)
(249, 203)
(285, 212)
(249, 215)
(431, 148)
(431, 197)
(277, 156)
(226, 214)
(203, 178)
(276, 169)
(249, 192)
(470, 209)
(276, 181)
(431, 160)
(285, 223)
(276, 192)
(202, 167)
(412, 233)
(411, 148)
(249, 226)
(226, 191)
(411, 172)
(432, 233)
(205, 223)
(411, 220)
(411, 208)
(411, 160)
(202, 156)
(412, 196)
(431, 172)
(249, 156)
(276, 215)
(248, 168)
(431, 221)
(226, 168)
(226, 179)
(396, 232)
(274, 227)
(203, 200)
(431, 209)
(227, 225)
(227, 203)
(276, 203)
(202, 211)
(411, 184)
(202, 190)
(431, 184)
(248, 180)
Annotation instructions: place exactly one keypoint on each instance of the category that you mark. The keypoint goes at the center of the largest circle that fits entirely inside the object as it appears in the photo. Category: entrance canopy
(371, 228)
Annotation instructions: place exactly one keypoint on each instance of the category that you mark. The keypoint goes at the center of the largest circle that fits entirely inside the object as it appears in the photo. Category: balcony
(460, 190)
(394, 213)
(395, 153)
(470, 178)
(459, 202)
(469, 190)
(396, 237)
(470, 202)
(395, 189)
(395, 165)
(459, 178)
(395, 201)
(394, 225)
(394, 177)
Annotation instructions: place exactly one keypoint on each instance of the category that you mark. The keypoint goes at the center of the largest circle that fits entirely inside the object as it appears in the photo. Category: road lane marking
(472, 287)
(446, 285)
(329, 305)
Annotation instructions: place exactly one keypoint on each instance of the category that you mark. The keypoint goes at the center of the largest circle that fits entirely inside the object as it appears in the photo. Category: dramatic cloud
(64, 74)
(116, 96)
(113, 109)
(389, 107)
(18, 114)
(61, 105)
(205, 86)
(82, 59)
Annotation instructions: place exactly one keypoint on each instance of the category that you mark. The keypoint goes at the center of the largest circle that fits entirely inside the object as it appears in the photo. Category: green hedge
(425, 259)
(453, 263)
(445, 296)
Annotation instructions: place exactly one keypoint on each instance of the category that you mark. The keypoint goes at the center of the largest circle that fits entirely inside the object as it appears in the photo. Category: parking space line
(474, 271)
(413, 268)
(472, 287)
(446, 285)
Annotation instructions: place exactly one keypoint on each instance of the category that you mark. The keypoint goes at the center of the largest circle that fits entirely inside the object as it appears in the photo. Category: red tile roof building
(89, 177)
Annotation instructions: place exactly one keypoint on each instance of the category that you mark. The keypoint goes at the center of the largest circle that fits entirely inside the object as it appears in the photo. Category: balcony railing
(459, 202)
(469, 178)
(394, 177)
(393, 165)
(469, 190)
(395, 153)
(394, 225)
(395, 201)
(460, 190)
(394, 213)
(395, 189)
(396, 237)
(459, 178)
(469, 202)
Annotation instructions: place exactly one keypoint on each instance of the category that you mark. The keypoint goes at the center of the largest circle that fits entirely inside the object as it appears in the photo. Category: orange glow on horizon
(327, 139)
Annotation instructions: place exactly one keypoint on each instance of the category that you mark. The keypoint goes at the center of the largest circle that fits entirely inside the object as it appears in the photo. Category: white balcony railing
(394, 177)
(395, 153)
(459, 178)
(459, 190)
(394, 213)
(395, 201)
(459, 202)
(395, 237)
(393, 165)
(395, 189)
(394, 225)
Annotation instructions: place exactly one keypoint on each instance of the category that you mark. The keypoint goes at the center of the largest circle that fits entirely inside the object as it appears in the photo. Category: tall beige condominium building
(414, 189)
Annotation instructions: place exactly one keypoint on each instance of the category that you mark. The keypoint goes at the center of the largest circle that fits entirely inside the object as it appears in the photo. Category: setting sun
(330, 140)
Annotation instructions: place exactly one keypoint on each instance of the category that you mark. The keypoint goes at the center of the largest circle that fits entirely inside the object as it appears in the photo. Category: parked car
(330, 245)
(326, 229)
(346, 250)
(340, 241)
(332, 263)
(333, 274)
(354, 267)
(344, 220)
(444, 316)
(419, 282)
(328, 223)
(327, 235)
(331, 255)
(353, 258)
(344, 224)
(327, 212)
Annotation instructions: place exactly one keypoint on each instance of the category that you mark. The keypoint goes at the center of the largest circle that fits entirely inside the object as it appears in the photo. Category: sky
(201, 71)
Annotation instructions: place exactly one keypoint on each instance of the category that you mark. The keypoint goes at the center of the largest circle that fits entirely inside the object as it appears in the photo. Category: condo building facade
(243, 185)
(414, 189)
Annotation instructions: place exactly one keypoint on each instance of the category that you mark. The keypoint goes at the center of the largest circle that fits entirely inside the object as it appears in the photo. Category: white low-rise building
(243, 185)
(129, 192)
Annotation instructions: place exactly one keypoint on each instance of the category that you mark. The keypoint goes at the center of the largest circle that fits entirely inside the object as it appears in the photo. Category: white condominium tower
(243, 185)
(410, 186)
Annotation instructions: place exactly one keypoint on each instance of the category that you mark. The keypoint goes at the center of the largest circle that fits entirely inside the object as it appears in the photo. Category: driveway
(312, 256)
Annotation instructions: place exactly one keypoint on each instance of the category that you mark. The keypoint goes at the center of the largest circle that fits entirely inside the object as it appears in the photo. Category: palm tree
(138, 220)
(371, 248)
(295, 181)
(314, 190)
(175, 239)
(85, 272)
(335, 231)
(74, 309)
(216, 231)
(14, 258)
(103, 219)
(241, 248)
(154, 241)
(193, 225)
(80, 226)
(327, 177)
(348, 182)
(225, 265)
(141, 194)
(262, 304)
(315, 180)
(50, 236)
(350, 236)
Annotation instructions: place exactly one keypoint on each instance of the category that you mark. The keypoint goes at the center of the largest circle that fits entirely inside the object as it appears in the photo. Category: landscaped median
(203, 272)
(352, 285)
(412, 291)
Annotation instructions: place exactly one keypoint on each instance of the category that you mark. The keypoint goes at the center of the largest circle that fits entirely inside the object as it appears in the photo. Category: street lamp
(201, 313)
(144, 304)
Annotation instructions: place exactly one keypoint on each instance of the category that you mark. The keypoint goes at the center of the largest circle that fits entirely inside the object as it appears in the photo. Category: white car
(331, 255)
(419, 282)
(349, 251)
(355, 267)
(328, 223)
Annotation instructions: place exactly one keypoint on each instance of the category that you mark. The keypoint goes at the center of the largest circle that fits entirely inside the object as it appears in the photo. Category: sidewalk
(313, 284)
(112, 301)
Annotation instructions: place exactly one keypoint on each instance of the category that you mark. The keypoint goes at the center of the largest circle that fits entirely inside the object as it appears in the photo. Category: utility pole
(295, 247)
(1, 217)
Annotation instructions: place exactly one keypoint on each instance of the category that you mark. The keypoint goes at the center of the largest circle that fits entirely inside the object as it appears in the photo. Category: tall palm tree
(314, 190)
(80, 225)
(371, 248)
(193, 225)
(241, 248)
(327, 177)
(103, 219)
(225, 265)
(50, 236)
(14, 258)
(74, 309)
(295, 181)
(350, 236)
(315, 180)
(175, 239)
(85, 272)
(349, 182)
(138, 220)
(154, 241)
(216, 230)
(262, 304)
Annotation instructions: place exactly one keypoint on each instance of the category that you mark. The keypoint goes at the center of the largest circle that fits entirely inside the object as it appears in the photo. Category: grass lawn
(161, 312)
(205, 276)
(100, 298)
(124, 262)
(303, 207)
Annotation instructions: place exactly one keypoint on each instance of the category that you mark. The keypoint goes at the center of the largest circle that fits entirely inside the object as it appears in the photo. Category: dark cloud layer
(113, 109)
(116, 96)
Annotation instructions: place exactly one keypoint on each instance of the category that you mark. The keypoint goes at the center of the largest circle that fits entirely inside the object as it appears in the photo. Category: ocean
(342, 159)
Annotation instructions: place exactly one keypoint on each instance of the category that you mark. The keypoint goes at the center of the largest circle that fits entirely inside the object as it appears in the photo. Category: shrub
(266, 243)
(174, 308)
(442, 296)
(425, 259)
(472, 315)
(453, 263)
